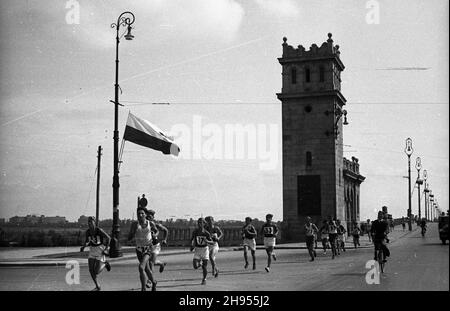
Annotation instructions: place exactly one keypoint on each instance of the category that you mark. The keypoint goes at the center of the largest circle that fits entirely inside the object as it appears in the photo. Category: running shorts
(201, 253)
(214, 249)
(251, 243)
(96, 252)
(156, 248)
(269, 242)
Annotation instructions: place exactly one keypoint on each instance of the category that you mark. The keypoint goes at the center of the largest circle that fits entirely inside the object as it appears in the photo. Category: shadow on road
(349, 274)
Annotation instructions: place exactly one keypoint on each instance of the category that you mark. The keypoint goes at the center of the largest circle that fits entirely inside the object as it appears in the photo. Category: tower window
(321, 74)
(307, 75)
(308, 158)
(294, 75)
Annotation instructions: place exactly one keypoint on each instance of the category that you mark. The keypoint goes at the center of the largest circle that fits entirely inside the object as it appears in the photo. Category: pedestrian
(200, 241)
(98, 242)
(355, 233)
(141, 232)
(249, 236)
(310, 231)
(216, 234)
(403, 223)
(270, 231)
(324, 236)
(368, 230)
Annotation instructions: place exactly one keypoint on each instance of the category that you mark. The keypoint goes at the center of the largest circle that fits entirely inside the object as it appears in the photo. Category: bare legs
(196, 263)
(95, 268)
(246, 257)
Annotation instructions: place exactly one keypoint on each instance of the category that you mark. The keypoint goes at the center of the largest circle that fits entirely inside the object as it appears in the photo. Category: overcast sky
(214, 62)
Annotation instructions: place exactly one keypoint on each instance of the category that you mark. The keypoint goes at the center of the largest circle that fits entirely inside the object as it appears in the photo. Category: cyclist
(423, 225)
(379, 232)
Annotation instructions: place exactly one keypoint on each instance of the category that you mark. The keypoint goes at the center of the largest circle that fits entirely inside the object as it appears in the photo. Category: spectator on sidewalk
(368, 229)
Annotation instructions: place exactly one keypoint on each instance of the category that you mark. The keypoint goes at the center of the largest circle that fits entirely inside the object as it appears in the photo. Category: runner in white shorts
(270, 231)
(156, 244)
(141, 231)
(249, 235)
(98, 242)
(216, 235)
(199, 243)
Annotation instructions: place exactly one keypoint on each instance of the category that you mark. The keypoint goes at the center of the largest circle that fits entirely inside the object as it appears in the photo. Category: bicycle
(424, 230)
(380, 258)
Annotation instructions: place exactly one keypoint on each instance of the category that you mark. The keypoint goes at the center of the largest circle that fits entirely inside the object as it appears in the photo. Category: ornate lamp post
(425, 190)
(431, 196)
(419, 182)
(409, 151)
(124, 19)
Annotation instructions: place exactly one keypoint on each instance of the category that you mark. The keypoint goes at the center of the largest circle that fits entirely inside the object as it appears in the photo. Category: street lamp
(425, 190)
(419, 182)
(124, 19)
(431, 196)
(409, 151)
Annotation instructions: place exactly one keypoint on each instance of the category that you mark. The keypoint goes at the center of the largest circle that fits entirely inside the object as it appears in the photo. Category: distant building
(34, 219)
(54, 220)
(83, 220)
(2, 221)
(17, 220)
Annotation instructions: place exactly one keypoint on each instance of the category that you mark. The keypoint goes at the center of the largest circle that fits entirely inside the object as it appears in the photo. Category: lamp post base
(115, 250)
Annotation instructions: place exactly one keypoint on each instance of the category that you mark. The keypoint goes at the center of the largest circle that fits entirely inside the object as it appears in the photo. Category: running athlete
(249, 235)
(379, 232)
(310, 230)
(332, 234)
(199, 244)
(156, 244)
(141, 231)
(98, 242)
(341, 236)
(324, 236)
(270, 231)
(216, 235)
(355, 233)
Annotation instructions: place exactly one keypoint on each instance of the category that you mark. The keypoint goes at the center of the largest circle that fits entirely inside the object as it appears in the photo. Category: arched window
(307, 75)
(294, 75)
(321, 74)
(308, 158)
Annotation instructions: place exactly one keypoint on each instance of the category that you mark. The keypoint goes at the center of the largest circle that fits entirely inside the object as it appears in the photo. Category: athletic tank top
(143, 236)
(309, 230)
(96, 239)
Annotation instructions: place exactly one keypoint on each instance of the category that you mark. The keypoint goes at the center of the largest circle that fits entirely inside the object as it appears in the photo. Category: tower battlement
(326, 51)
(327, 48)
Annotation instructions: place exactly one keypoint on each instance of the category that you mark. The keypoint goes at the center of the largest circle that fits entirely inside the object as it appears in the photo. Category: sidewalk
(59, 256)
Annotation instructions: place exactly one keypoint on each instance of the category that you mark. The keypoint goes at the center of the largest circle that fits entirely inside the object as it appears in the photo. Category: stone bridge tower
(312, 119)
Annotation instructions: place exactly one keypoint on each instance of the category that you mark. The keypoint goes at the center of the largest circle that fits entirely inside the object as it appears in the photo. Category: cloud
(404, 68)
(181, 19)
(280, 8)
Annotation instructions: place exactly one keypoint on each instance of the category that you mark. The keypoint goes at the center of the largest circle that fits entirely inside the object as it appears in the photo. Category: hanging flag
(144, 133)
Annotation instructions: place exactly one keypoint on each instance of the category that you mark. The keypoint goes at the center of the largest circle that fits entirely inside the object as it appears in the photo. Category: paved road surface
(416, 263)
